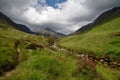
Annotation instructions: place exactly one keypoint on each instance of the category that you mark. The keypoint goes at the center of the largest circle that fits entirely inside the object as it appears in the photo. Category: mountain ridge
(101, 19)
(20, 27)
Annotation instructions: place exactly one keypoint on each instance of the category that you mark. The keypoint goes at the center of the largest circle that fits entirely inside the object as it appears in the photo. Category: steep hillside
(100, 42)
(103, 18)
(102, 39)
(6, 20)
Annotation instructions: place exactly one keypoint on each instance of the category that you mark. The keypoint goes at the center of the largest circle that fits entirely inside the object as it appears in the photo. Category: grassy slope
(100, 40)
(35, 61)
(8, 38)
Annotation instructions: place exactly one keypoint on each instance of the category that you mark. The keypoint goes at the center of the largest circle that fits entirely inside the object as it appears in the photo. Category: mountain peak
(50, 32)
(48, 29)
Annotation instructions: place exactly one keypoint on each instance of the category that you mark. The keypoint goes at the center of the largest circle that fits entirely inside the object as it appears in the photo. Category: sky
(64, 16)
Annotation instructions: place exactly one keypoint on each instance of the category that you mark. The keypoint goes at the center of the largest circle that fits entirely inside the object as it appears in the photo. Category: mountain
(49, 32)
(5, 19)
(103, 18)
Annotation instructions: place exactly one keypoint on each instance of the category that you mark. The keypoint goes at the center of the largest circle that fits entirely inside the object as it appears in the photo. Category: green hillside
(102, 39)
(12, 40)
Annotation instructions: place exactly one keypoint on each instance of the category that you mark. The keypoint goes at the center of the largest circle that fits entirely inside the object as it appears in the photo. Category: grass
(42, 65)
(36, 61)
(6, 55)
(107, 73)
(103, 39)
(8, 38)
(98, 40)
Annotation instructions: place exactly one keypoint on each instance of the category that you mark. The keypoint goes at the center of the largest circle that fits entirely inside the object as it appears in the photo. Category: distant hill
(49, 32)
(103, 18)
(7, 20)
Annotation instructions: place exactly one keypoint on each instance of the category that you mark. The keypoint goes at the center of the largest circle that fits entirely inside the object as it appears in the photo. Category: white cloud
(68, 17)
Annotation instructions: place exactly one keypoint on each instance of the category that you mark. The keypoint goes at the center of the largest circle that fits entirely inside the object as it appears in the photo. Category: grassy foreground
(29, 57)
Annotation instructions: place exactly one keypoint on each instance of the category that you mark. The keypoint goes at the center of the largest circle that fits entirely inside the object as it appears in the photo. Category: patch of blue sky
(51, 3)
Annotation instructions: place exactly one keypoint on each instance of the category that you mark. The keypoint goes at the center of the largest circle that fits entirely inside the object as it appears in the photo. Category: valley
(87, 54)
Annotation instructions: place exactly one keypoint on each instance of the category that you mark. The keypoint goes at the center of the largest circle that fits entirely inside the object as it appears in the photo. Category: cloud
(68, 17)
